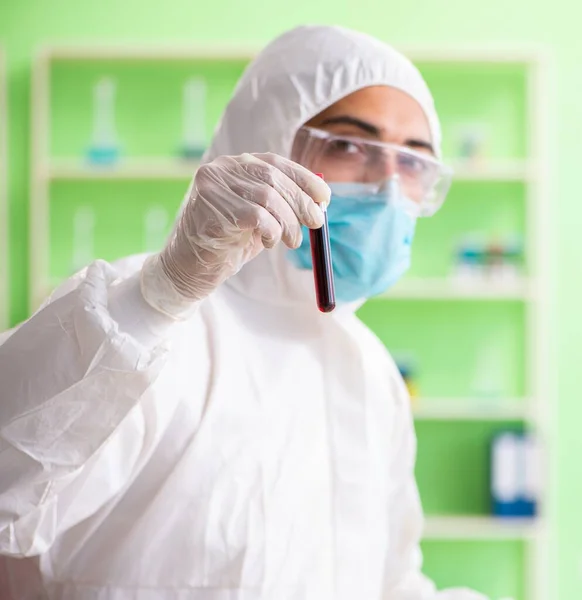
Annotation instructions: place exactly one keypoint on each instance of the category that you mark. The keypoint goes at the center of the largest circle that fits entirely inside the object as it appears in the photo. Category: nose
(381, 165)
(393, 162)
(386, 167)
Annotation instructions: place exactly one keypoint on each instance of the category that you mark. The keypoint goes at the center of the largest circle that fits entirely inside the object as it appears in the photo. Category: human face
(378, 114)
(376, 137)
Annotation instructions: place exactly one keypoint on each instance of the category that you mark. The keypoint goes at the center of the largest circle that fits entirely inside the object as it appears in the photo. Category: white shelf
(493, 170)
(479, 528)
(168, 168)
(129, 169)
(109, 52)
(472, 409)
(134, 168)
(457, 54)
(451, 289)
(492, 54)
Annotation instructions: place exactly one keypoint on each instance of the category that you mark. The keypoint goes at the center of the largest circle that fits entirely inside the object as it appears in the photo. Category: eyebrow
(375, 131)
(347, 120)
(417, 144)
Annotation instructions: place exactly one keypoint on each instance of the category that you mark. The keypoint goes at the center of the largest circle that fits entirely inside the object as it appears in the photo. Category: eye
(412, 164)
(343, 148)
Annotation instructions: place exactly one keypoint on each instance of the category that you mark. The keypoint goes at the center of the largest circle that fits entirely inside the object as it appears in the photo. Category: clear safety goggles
(424, 181)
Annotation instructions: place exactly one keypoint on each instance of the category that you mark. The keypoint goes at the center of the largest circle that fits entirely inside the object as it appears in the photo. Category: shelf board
(451, 289)
(457, 54)
(172, 168)
(221, 52)
(493, 170)
(479, 528)
(481, 55)
(472, 409)
(129, 169)
(486, 55)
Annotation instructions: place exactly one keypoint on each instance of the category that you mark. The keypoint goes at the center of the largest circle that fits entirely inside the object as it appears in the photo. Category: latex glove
(237, 206)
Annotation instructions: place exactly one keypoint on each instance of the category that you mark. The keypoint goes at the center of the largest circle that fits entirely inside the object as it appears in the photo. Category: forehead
(395, 114)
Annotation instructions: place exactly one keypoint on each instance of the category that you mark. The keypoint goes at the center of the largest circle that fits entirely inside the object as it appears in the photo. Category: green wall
(25, 24)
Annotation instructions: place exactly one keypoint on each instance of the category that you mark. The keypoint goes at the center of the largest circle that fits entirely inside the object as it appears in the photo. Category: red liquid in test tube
(322, 266)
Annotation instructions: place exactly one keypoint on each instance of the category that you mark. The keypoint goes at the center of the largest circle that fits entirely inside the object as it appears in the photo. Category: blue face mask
(371, 239)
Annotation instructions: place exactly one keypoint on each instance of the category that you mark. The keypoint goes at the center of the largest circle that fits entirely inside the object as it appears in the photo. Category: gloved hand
(237, 206)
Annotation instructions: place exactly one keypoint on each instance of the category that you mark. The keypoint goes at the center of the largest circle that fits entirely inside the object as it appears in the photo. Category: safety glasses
(424, 181)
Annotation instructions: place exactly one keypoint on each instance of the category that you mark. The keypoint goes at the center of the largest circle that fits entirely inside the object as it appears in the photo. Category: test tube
(322, 265)
(194, 110)
(104, 149)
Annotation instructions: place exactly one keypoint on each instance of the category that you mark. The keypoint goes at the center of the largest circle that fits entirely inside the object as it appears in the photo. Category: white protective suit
(257, 450)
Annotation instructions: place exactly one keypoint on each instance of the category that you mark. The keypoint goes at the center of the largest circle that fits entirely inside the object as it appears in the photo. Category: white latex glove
(238, 205)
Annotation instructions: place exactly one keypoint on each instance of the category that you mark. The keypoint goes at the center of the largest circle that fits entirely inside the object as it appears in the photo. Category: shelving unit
(4, 288)
(420, 305)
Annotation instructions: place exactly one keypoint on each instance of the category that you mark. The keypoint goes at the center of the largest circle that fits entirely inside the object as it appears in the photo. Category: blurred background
(105, 108)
